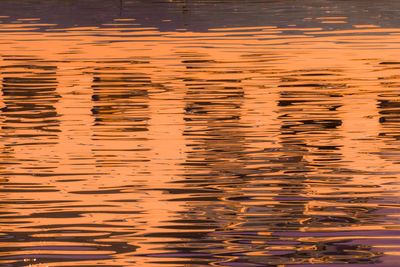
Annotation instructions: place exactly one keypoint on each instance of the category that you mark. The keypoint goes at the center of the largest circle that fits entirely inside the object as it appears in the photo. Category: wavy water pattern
(195, 133)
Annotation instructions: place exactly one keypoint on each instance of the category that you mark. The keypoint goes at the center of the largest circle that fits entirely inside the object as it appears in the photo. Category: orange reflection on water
(153, 147)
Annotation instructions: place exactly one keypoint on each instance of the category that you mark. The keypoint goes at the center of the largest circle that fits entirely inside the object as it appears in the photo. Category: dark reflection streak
(302, 115)
(112, 247)
(214, 162)
(120, 111)
(28, 102)
(29, 115)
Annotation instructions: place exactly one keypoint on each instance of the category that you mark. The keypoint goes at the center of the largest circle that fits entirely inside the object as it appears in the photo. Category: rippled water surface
(193, 133)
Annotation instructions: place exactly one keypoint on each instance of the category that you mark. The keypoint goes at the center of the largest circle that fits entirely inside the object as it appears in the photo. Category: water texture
(195, 133)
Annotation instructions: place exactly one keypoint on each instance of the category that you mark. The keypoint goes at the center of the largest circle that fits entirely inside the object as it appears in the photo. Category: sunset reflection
(144, 140)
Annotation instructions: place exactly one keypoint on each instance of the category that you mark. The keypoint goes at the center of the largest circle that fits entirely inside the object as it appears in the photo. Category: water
(194, 133)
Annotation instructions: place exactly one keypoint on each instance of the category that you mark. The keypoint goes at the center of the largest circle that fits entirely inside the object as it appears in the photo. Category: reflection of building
(29, 100)
(214, 168)
(121, 114)
(29, 116)
(267, 215)
(389, 111)
(120, 103)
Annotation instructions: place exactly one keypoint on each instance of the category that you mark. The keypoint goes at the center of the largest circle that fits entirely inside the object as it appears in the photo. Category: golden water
(192, 133)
